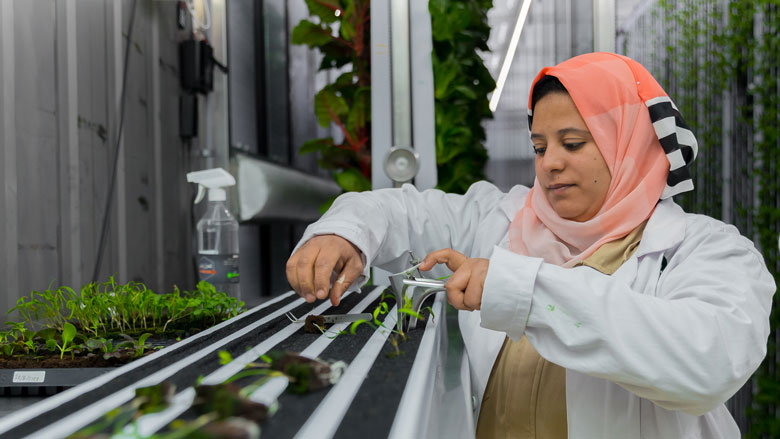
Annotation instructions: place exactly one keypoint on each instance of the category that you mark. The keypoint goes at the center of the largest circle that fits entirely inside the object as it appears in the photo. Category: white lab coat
(648, 353)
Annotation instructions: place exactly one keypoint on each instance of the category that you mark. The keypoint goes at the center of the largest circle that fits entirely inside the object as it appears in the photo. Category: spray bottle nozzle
(215, 180)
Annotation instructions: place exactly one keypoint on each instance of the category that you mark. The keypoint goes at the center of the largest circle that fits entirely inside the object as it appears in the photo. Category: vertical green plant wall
(461, 86)
(721, 68)
(340, 30)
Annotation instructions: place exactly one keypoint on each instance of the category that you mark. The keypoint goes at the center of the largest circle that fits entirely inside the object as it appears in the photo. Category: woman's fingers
(464, 289)
(352, 269)
(456, 287)
(448, 256)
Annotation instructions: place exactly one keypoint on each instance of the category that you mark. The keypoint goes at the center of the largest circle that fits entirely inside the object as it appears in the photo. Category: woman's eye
(573, 146)
(540, 150)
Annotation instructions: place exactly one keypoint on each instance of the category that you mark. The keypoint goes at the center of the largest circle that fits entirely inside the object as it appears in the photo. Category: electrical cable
(110, 195)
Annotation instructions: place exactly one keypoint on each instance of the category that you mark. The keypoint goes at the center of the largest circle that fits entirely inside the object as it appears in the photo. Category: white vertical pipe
(381, 107)
(9, 243)
(603, 25)
(424, 121)
(401, 73)
(71, 263)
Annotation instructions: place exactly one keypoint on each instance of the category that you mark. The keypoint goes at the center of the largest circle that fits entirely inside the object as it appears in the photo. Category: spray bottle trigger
(201, 193)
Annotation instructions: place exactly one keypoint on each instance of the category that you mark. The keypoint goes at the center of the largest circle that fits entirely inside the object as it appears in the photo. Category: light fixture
(510, 55)
(401, 164)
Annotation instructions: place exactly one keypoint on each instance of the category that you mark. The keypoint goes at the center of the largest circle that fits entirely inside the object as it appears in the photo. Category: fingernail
(309, 298)
(321, 294)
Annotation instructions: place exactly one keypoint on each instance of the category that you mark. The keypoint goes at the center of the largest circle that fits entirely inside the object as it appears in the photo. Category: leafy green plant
(140, 345)
(107, 346)
(342, 34)
(461, 86)
(67, 336)
(109, 307)
(99, 315)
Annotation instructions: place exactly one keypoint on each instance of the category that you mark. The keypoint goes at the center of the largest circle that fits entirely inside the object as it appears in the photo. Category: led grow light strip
(93, 411)
(326, 418)
(270, 391)
(36, 410)
(147, 425)
(414, 408)
(510, 55)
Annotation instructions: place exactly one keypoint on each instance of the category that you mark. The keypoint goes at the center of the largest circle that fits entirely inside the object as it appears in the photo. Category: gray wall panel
(177, 193)
(276, 88)
(92, 122)
(61, 74)
(36, 142)
(243, 75)
(9, 261)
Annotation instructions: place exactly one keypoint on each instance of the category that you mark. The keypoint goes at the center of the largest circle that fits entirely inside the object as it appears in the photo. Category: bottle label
(218, 269)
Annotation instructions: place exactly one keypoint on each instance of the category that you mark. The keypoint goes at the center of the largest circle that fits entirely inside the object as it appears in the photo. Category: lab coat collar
(665, 229)
(515, 200)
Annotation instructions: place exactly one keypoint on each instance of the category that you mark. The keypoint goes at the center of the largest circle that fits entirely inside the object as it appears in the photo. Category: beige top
(525, 396)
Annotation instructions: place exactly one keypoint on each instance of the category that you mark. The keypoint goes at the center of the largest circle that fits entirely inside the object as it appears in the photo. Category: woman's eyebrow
(564, 131)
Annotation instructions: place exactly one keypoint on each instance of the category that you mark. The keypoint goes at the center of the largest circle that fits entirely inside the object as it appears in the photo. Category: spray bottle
(217, 232)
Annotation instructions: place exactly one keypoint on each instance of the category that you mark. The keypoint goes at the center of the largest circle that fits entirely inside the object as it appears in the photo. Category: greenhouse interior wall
(719, 60)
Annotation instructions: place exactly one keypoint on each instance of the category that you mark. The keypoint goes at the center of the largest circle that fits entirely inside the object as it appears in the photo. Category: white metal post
(603, 25)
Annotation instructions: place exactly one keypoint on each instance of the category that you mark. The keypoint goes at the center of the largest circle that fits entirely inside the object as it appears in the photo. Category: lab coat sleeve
(689, 347)
(385, 223)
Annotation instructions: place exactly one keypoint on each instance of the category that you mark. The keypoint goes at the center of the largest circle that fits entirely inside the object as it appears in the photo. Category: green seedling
(224, 357)
(107, 346)
(67, 336)
(139, 346)
(155, 398)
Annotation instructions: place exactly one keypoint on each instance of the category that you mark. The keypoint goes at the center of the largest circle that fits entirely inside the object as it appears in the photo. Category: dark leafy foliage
(462, 84)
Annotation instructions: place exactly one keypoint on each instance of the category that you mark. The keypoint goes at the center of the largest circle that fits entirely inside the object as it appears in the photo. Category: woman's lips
(558, 188)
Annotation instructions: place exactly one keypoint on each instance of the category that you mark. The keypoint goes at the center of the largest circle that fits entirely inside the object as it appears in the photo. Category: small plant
(396, 335)
(99, 315)
(106, 346)
(67, 336)
(141, 345)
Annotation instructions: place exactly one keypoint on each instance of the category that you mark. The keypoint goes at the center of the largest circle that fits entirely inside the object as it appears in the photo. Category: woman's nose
(553, 159)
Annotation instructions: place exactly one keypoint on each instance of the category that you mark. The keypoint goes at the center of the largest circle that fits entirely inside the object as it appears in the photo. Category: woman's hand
(309, 269)
(464, 289)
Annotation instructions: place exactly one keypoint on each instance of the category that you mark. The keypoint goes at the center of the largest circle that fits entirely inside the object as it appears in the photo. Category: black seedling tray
(34, 382)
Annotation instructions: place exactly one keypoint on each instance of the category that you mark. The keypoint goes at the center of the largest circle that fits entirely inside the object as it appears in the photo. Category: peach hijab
(627, 112)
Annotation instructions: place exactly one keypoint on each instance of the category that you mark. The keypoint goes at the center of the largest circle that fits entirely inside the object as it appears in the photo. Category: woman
(591, 305)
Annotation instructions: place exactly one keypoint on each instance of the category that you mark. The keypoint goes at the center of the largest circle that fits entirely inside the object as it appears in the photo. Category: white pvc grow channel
(377, 394)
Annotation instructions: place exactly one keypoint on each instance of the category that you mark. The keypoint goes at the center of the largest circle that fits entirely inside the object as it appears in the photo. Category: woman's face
(571, 171)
